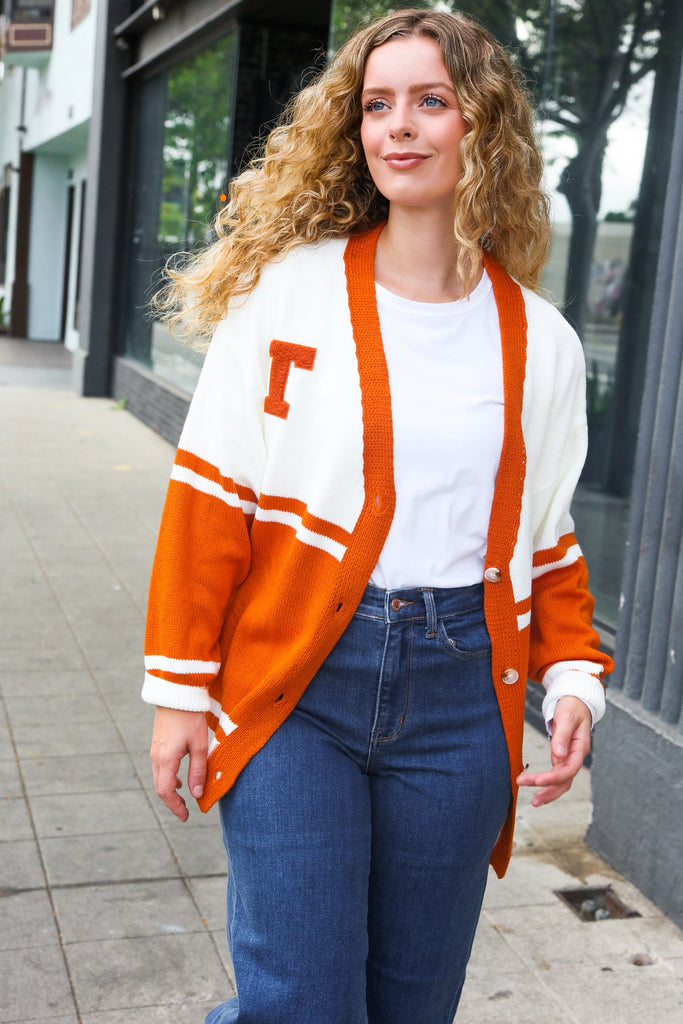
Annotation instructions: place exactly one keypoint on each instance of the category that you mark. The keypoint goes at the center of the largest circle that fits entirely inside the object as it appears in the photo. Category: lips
(404, 161)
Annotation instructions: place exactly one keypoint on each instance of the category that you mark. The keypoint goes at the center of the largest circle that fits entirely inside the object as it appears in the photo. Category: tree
(195, 151)
(602, 49)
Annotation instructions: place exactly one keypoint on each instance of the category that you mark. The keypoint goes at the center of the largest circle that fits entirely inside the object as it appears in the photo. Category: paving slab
(102, 646)
(512, 999)
(132, 972)
(209, 893)
(127, 910)
(10, 780)
(78, 774)
(21, 867)
(136, 727)
(67, 656)
(26, 710)
(35, 986)
(16, 820)
(198, 851)
(43, 680)
(6, 741)
(82, 814)
(630, 995)
(27, 920)
(40, 740)
(111, 857)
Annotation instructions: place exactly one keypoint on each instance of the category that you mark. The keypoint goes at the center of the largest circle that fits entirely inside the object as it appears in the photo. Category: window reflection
(604, 76)
(181, 155)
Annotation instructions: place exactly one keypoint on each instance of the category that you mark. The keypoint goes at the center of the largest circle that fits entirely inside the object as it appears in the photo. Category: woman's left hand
(569, 745)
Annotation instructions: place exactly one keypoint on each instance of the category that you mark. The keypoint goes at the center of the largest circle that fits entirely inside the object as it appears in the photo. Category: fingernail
(197, 791)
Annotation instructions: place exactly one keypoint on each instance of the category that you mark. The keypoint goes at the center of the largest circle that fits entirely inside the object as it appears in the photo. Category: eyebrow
(420, 87)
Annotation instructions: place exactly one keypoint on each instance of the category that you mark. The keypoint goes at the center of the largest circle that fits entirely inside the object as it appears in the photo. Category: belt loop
(430, 608)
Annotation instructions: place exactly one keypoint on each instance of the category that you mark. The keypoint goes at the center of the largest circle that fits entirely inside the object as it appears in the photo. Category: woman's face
(412, 125)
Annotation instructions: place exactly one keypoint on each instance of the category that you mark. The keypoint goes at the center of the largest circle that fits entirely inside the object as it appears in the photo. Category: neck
(417, 255)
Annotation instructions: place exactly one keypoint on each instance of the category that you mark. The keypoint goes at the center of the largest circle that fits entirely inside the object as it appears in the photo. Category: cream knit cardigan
(282, 494)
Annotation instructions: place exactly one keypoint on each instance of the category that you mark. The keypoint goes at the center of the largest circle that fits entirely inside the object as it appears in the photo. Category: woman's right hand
(175, 734)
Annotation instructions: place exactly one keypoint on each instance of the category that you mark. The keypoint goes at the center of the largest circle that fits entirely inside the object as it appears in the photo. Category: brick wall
(158, 404)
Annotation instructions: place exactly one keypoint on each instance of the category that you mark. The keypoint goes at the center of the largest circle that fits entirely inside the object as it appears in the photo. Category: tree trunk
(581, 184)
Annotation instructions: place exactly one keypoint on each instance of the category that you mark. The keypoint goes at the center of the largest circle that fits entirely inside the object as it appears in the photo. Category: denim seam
(402, 720)
(454, 652)
(372, 747)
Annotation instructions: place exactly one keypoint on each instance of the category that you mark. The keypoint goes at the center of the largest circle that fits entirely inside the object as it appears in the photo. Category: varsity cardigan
(282, 494)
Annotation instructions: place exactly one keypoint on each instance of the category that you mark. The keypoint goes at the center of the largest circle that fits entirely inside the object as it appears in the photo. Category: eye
(374, 105)
(433, 101)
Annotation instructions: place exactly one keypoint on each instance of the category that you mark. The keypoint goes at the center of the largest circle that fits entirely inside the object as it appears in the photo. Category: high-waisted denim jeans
(359, 837)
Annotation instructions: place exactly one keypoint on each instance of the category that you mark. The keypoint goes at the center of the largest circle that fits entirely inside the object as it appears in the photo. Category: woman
(366, 546)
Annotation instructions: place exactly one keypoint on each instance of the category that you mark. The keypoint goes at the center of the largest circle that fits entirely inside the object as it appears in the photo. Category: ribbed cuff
(573, 683)
(175, 695)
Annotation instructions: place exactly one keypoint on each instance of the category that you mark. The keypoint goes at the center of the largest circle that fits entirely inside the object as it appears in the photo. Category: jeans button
(396, 604)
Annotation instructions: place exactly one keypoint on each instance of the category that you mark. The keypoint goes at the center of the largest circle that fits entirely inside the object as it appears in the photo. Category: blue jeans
(358, 838)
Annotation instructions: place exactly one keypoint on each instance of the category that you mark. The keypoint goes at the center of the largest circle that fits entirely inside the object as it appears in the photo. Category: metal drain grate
(595, 904)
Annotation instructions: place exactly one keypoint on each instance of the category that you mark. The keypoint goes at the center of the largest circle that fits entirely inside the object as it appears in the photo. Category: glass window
(605, 81)
(180, 164)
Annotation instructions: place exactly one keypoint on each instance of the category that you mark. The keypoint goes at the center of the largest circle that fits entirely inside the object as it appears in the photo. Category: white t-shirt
(446, 376)
(446, 379)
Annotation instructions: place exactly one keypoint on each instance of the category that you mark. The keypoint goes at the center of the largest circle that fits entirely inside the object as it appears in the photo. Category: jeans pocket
(465, 637)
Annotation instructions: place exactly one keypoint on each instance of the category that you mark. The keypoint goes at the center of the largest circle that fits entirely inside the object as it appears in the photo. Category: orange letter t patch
(282, 355)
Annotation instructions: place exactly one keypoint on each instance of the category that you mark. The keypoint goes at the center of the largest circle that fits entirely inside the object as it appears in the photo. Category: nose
(400, 125)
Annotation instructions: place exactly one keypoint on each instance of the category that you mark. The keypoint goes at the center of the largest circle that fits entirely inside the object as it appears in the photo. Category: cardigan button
(510, 675)
(493, 575)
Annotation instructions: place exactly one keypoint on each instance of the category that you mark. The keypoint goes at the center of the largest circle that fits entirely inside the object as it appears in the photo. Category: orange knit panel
(561, 617)
(202, 552)
(507, 644)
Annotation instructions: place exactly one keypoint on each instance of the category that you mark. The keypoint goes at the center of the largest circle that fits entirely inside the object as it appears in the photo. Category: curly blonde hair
(312, 181)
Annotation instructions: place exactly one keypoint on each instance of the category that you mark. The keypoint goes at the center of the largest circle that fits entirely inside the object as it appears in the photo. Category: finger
(549, 793)
(569, 745)
(167, 782)
(168, 792)
(558, 775)
(196, 772)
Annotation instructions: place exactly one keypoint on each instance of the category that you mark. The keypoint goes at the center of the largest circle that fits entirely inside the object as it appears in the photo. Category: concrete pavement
(111, 910)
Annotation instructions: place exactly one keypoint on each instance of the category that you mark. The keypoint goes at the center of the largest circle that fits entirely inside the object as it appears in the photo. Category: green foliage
(195, 151)
(3, 314)
(350, 15)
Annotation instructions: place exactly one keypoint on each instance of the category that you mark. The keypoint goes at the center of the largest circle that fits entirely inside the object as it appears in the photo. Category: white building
(46, 89)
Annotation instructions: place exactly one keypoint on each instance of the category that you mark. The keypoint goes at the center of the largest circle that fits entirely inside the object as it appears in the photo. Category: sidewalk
(112, 911)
